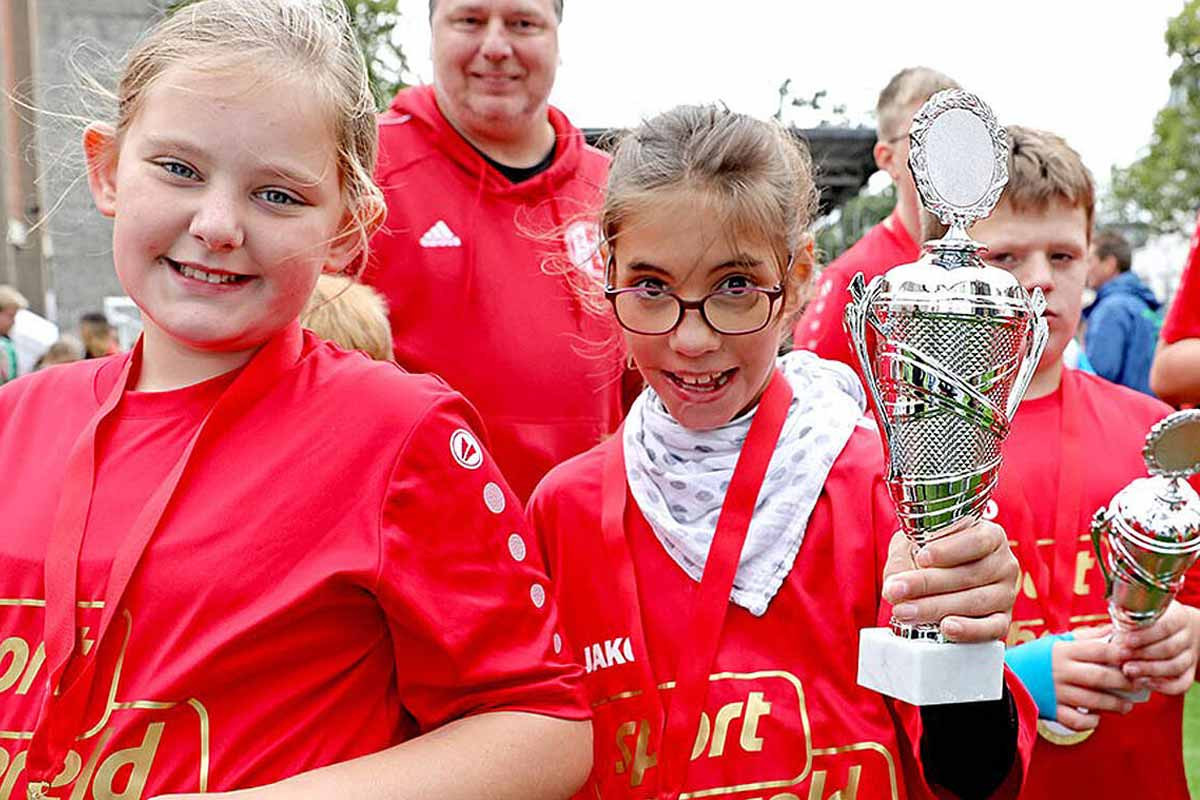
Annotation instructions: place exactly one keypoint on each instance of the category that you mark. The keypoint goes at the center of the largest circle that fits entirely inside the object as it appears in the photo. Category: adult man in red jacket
(491, 241)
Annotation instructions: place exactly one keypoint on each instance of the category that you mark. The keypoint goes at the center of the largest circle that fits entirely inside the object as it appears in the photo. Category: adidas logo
(440, 235)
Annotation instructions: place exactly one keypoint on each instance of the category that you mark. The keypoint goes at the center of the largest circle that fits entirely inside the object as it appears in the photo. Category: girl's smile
(700, 387)
(205, 275)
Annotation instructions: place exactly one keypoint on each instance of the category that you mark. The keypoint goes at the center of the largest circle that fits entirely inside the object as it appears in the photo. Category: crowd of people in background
(96, 338)
(572, 478)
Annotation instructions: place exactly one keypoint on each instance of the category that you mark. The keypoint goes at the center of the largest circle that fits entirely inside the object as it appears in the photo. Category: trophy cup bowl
(947, 346)
(1148, 537)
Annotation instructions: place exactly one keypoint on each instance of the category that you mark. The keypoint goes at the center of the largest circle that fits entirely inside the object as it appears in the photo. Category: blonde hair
(349, 314)
(308, 38)
(758, 175)
(907, 88)
(63, 351)
(11, 298)
(1043, 169)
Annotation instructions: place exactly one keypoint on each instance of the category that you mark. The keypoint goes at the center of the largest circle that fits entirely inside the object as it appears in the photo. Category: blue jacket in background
(1122, 331)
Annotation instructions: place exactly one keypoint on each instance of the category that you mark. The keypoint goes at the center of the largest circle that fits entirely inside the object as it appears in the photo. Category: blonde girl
(241, 558)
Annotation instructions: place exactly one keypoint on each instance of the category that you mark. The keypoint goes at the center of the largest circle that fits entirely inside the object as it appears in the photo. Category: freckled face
(226, 203)
(704, 378)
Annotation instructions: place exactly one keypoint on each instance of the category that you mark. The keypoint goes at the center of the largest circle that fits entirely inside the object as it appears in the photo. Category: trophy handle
(1097, 527)
(1037, 343)
(862, 297)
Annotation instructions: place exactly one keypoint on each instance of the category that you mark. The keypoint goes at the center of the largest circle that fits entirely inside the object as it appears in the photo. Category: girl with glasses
(715, 560)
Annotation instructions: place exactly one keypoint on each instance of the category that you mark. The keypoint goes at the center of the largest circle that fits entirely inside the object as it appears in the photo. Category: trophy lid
(1162, 513)
(1173, 445)
(958, 154)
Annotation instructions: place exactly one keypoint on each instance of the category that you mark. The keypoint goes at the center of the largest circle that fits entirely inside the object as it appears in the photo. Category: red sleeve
(1027, 718)
(463, 583)
(1183, 319)
(908, 720)
(820, 328)
(542, 522)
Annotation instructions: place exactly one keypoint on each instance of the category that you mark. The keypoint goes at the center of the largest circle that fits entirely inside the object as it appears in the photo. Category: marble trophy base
(924, 673)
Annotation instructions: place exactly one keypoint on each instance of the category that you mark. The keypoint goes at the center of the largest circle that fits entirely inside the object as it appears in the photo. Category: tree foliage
(788, 97)
(1162, 188)
(376, 26)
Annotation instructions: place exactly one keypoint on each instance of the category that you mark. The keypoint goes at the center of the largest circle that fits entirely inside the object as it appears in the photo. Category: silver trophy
(948, 346)
(1149, 535)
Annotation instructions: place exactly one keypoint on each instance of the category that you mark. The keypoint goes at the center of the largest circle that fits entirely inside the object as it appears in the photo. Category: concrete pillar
(23, 206)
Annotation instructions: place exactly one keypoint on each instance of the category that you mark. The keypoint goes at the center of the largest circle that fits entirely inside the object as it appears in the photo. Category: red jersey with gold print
(784, 717)
(1044, 477)
(341, 569)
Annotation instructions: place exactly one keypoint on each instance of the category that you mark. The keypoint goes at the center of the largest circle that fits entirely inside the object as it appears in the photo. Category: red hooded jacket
(481, 276)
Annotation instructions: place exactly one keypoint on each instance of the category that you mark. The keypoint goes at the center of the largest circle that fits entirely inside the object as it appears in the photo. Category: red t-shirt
(340, 570)
(1183, 320)
(481, 278)
(785, 716)
(1109, 424)
(821, 328)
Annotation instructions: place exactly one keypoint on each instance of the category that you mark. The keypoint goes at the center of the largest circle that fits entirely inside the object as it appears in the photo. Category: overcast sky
(1095, 73)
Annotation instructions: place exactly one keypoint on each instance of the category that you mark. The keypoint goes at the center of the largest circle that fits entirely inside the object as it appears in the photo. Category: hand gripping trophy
(948, 346)
(1151, 529)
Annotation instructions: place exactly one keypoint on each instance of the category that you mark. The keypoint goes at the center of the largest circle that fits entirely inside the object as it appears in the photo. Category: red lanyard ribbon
(1055, 582)
(62, 713)
(703, 630)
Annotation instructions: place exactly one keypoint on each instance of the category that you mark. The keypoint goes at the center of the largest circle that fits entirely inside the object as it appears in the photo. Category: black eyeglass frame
(611, 293)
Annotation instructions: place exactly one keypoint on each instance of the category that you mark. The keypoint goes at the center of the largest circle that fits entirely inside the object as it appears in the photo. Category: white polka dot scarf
(678, 476)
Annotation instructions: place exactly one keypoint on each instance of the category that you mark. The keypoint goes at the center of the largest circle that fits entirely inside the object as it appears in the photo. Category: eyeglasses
(652, 311)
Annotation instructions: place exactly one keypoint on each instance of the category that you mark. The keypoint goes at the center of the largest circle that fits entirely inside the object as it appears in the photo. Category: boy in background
(1075, 442)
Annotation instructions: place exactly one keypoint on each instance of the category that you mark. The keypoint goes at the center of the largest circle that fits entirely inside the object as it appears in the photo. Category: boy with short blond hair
(1075, 442)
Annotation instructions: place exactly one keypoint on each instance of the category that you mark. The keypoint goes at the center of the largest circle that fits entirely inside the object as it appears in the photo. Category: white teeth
(207, 277)
(714, 380)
